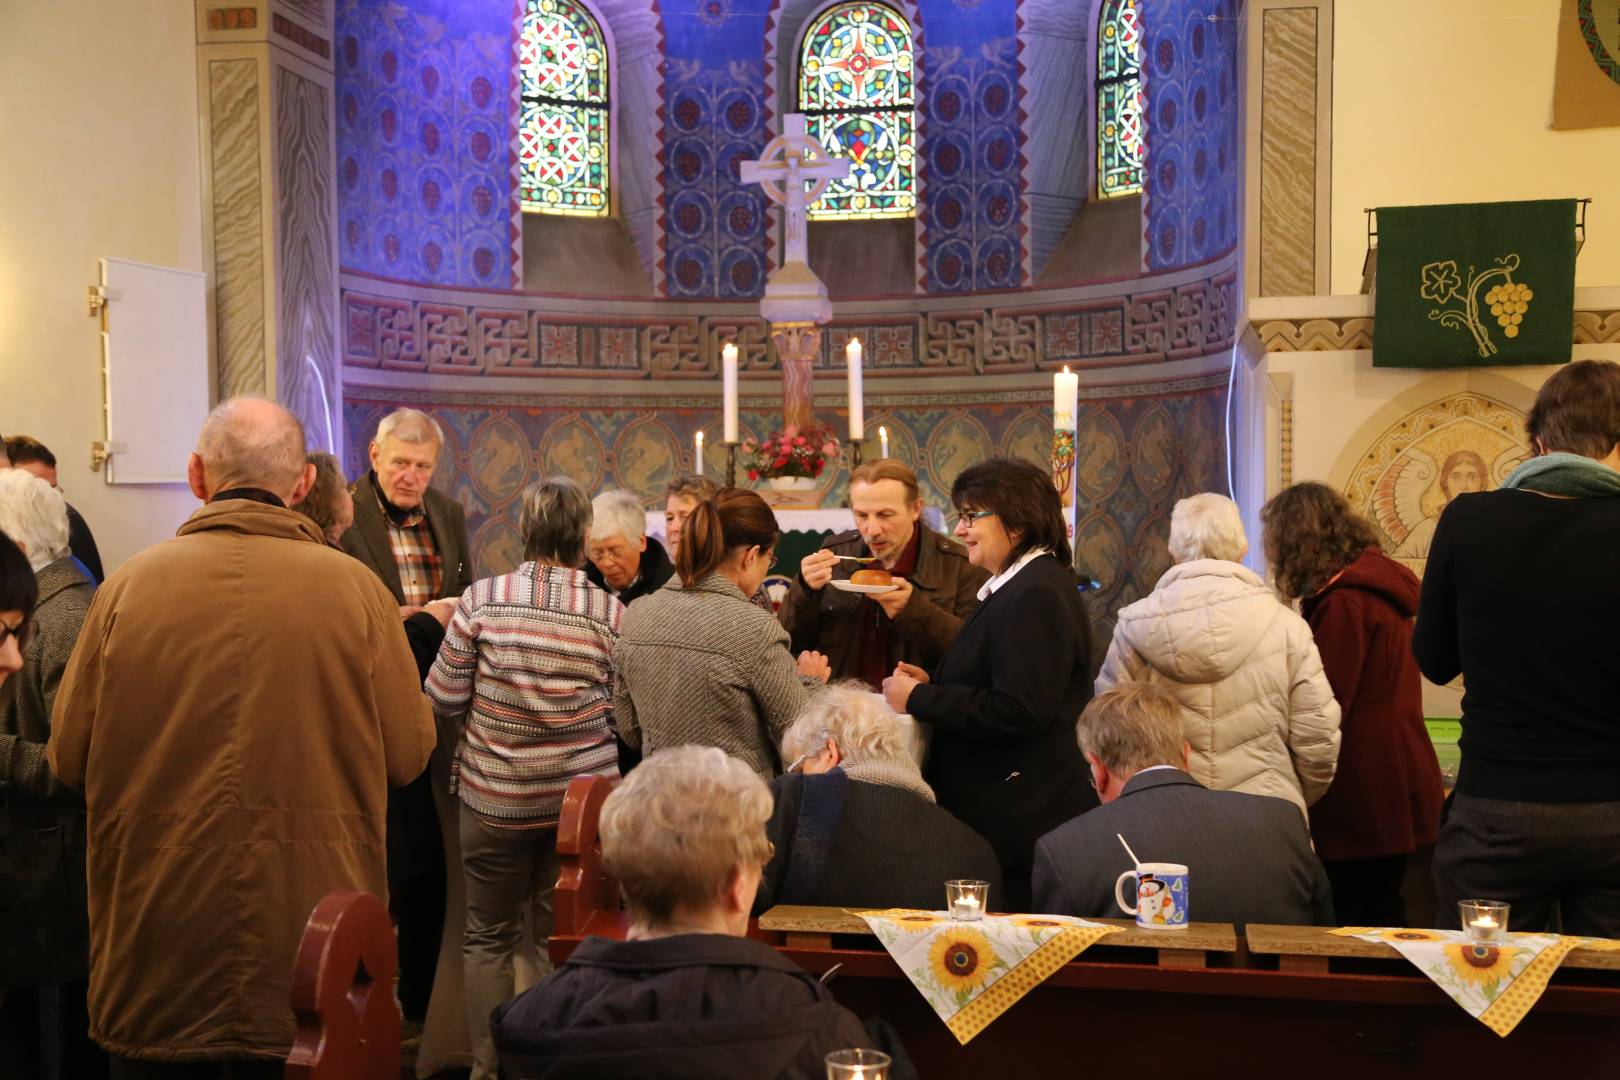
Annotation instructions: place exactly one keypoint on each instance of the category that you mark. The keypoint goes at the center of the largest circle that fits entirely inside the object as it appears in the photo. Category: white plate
(850, 586)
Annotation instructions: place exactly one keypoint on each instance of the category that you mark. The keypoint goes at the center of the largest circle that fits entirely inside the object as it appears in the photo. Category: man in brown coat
(240, 699)
(865, 635)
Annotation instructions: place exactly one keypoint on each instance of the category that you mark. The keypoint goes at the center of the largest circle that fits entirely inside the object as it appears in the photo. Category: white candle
(1065, 399)
(966, 907)
(857, 411)
(1484, 922)
(697, 459)
(883, 440)
(728, 376)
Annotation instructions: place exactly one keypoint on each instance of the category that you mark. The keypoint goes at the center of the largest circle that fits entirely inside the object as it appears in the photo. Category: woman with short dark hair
(698, 663)
(1384, 801)
(525, 678)
(1519, 597)
(1004, 698)
(328, 504)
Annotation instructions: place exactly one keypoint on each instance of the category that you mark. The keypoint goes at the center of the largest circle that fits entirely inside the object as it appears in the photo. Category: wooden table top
(1317, 941)
(1206, 937)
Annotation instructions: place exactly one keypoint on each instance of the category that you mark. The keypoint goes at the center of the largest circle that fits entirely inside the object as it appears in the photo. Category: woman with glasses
(1004, 699)
(697, 662)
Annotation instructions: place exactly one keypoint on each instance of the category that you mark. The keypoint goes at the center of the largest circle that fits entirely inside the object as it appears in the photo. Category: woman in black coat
(1005, 698)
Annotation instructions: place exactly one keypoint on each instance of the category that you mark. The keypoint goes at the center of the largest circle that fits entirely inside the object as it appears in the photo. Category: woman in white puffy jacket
(1257, 709)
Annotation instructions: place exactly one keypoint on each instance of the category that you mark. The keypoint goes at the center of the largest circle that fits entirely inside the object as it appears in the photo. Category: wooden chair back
(584, 886)
(343, 993)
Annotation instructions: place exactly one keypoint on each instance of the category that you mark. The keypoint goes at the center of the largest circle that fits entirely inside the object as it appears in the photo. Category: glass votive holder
(1484, 920)
(857, 1065)
(965, 899)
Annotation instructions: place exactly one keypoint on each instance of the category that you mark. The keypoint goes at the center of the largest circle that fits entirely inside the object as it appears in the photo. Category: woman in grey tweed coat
(697, 663)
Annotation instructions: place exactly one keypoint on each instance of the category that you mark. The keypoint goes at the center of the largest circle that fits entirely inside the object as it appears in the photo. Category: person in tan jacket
(1257, 710)
(239, 701)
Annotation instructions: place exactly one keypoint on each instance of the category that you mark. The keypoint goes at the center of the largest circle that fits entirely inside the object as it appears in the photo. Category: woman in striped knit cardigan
(525, 675)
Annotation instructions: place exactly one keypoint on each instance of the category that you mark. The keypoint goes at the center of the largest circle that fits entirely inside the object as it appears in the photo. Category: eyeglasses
(968, 517)
(20, 633)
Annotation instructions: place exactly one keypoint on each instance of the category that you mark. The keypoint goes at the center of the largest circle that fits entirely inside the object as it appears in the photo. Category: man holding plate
(865, 629)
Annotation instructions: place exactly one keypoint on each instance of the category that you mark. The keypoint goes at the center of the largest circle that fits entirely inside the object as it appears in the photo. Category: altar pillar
(265, 79)
(797, 346)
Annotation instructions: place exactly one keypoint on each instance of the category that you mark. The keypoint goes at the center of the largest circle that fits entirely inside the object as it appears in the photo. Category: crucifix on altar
(795, 302)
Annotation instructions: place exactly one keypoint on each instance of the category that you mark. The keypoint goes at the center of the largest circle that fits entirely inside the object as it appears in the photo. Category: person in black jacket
(624, 560)
(1004, 700)
(855, 824)
(687, 993)
(1519, 597)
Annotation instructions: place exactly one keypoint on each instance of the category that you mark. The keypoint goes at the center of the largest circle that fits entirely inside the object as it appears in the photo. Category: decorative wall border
(447, 332)
(1599, 326)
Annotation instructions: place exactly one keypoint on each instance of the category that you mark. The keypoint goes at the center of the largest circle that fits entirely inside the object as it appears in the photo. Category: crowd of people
(308, 688)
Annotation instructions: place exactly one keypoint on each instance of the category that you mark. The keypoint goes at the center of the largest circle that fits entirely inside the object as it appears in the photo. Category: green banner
(1475, 284)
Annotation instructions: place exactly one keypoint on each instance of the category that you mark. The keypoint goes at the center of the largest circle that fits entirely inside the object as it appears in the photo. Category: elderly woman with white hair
(45, 936)
(1257, 709)
(687, 993)
(855, 824)
(624, 560)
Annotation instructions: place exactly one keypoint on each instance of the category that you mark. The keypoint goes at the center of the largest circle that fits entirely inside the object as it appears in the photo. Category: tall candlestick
(883, 440)
(857, 412)
(1065, 421)
(697, 459)
(728, 376)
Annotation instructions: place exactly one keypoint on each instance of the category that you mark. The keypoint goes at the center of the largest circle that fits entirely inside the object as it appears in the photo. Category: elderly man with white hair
(624, 560)
(1257, 710)
(45, 936)
(413, 537)
(854, 822)
(241, 697)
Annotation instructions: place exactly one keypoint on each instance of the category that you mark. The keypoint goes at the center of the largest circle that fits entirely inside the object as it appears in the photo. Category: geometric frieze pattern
(505, 338)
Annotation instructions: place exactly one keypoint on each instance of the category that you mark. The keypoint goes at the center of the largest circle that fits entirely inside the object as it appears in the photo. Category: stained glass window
(1121, 104)
(563, 138)
(855, 89)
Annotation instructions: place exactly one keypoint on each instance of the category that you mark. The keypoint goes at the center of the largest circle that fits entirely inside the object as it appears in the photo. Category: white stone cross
(787, 163)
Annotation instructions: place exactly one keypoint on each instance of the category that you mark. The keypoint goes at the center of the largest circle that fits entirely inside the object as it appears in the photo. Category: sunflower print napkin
(1496, 983)
(972, 972)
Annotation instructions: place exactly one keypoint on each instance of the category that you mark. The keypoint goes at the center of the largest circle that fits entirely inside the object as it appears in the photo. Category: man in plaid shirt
(415, 539)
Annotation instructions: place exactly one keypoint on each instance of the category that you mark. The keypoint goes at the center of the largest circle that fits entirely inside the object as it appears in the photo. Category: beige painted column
(269, 168)
(1289, 159)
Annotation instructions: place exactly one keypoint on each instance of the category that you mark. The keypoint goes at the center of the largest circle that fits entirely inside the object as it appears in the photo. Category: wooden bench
(343, 993)
(1313, 950)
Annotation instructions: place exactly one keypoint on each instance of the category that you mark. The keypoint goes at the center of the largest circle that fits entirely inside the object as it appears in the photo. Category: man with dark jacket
(865, 635)
(623, 559)
(1248, 857)
(415, 540)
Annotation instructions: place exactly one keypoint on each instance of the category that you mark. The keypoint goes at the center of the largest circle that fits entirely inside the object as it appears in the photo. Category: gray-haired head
(555, 516)
(33, 514)
(251, 442)
(1207, 526)
(618, 513)
(1131, 728)
(409, 425)
(859, 721)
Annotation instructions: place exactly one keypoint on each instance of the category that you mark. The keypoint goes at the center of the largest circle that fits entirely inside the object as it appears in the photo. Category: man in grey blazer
(412, 537)
(1248, 857)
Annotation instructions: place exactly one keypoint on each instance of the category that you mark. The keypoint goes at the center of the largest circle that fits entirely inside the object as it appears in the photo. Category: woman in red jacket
(1385, 799)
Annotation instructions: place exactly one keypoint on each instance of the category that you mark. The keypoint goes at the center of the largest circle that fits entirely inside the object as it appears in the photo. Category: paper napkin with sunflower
(972, 972)
(1496, 983)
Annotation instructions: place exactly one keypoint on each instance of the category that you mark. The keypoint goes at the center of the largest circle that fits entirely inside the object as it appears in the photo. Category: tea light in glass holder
(857, 1065)
(1484, 920)
(965, 899)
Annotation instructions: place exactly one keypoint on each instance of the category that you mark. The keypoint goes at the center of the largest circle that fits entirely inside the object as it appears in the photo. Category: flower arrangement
(791, 452)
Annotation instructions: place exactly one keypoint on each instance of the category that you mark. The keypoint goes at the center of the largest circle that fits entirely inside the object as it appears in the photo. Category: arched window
(1121, 105)
(563, 137)
(855, 88)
